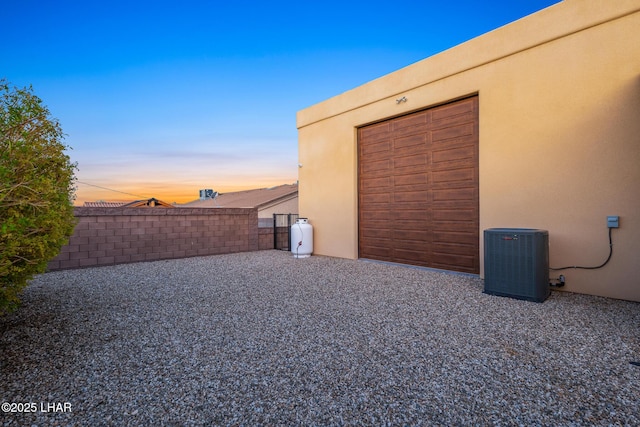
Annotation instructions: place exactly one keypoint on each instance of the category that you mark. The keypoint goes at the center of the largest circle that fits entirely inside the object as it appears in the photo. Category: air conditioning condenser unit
(516, 263)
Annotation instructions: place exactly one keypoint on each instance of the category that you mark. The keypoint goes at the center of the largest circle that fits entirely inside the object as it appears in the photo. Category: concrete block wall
(107, 236)
(283, 237)
(265, 238)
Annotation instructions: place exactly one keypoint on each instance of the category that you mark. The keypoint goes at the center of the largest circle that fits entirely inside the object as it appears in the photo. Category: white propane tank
(301, 238)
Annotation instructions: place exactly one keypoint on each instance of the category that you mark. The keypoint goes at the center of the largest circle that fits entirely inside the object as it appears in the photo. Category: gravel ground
(265, 339)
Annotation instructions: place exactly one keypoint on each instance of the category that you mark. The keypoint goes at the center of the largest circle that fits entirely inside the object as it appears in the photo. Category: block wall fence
(108, 236)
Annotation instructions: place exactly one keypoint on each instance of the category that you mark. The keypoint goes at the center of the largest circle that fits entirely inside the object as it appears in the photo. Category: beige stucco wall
(283, 207)
(559, 95)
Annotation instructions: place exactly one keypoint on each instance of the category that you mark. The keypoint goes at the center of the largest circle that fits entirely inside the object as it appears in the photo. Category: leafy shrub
(36, 190)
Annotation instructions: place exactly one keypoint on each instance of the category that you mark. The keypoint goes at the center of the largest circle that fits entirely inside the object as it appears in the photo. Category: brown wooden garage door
(418, 188)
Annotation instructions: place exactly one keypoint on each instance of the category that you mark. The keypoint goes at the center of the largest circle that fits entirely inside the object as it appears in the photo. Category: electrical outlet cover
(613, 221)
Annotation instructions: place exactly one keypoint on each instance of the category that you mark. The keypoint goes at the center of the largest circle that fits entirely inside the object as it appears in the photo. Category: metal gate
(282, 230)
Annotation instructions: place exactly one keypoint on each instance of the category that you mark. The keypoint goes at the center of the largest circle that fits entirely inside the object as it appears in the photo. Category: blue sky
(160, 99)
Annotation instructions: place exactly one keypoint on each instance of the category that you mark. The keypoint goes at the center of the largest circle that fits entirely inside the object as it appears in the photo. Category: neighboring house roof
(103, 204)
(258, 198)
(145, 203)
(148, 203)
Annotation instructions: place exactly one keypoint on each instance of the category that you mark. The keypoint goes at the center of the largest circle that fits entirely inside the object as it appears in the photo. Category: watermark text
(39, 407)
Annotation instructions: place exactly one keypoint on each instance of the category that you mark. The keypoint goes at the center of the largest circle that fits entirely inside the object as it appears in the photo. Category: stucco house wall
(283, 206)
(559, 137)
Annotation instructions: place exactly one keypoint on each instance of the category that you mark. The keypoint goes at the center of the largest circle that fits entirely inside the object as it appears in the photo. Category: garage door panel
(419, 178)
(454, 157)
(375, 244)
(376, 198)
(446, 258)
(462, 175)
(455, 226)
(377, 233)
(376, 215)
(376, 161)
(377, 252)
(422, 131)
(409, 161)
(455, 166)
(453, 249)
(465, 152)
(463, 264)
(381, 222)
(415, 189)
(374, 235)
(422, 188)
(455, 215)
(381, 165)
(416, 214)
(376, 184)
(409, 196)
(455, 132)
(452, 185)
(416, 206)
(409, 165)
(464, 238)
(407, 246)
(453, 194)
(454, 144)
(373, 187)
(408, 170)
(410, 121)
(421, 223)
(453, 110)
(376, 147)
(375, 132)
(378, 236)
(412, 142)
(451, 229)
(445, 203)
(457, 237)
(411, 235)
(452, 121)
(411, 257)
(428, 169)
(462, 235)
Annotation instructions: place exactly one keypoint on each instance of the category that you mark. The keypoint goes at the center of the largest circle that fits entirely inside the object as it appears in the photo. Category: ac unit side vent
(516, 263)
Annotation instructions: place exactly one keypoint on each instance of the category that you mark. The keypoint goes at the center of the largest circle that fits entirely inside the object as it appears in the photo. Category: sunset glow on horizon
(179, 194)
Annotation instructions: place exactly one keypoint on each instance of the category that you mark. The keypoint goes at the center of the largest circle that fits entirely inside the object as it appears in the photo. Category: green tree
(36, 191)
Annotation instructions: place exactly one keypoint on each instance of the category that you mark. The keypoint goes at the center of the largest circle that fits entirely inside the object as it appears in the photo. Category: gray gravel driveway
(262, 338)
